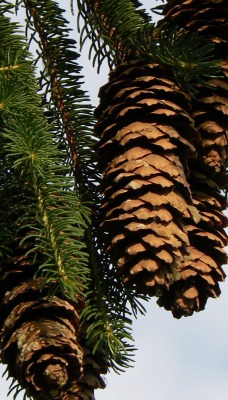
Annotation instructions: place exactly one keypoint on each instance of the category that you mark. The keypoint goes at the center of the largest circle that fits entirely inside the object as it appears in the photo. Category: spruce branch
(79, 178)
(67, 104)
(109, 25)
(102, 312)
(189, 59)
(31, 150)
(57, 92)
(62, 219)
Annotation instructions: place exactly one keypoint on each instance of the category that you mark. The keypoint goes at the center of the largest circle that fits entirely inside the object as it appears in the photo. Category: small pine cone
(39, 341)
(146, 137)
(199, 275)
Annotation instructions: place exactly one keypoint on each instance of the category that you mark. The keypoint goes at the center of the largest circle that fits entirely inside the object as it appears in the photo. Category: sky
(176, 359)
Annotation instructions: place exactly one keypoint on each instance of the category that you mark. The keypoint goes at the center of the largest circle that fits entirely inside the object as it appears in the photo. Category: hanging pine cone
(210, 114)
(146, 137)
(44, 349)
(200, 275)
(41, 338)
(208, 18)
(40, 332)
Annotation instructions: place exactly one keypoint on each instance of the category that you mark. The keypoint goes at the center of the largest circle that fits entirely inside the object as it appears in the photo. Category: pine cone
(41, 338)
(208, 18)
(199, 276)
(146, 137)
(43, 347)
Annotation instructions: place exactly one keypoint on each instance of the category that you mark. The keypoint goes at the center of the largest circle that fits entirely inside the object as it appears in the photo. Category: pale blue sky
(176, 359)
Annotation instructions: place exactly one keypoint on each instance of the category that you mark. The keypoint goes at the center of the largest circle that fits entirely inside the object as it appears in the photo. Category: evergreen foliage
(109, 33)
(33, 155)
(65, 192)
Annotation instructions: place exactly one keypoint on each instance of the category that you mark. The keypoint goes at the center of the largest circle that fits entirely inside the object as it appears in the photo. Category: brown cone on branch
(40, 332)
(208, 18)
(200, 275)
(146, 137)
(42, 341)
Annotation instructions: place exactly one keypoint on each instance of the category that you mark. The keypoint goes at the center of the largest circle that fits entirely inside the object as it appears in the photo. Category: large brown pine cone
(146, 138)
(200, 275)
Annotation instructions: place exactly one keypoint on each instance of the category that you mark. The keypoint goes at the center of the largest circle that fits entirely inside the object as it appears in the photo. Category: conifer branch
(60, 82)
(187, 57)
(57, 91)
(32, 151)
(109, 26)
(97, 297)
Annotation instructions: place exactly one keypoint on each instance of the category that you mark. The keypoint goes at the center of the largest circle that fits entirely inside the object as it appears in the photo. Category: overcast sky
(176, 359)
